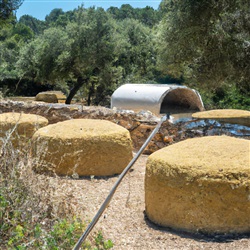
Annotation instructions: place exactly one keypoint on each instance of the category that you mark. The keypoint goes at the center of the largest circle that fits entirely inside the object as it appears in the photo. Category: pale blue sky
(40, 8)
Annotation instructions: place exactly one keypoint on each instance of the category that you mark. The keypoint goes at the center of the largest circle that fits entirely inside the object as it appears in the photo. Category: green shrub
(225, 97)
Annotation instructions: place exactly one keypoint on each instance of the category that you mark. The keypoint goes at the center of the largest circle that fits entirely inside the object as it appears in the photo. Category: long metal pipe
(111, 193)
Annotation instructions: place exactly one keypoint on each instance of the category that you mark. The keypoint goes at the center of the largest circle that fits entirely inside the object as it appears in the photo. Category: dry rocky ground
(124, 221)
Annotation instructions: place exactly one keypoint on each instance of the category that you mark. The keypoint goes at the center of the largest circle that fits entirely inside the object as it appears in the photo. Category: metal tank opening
(156, 98)
(181, 100)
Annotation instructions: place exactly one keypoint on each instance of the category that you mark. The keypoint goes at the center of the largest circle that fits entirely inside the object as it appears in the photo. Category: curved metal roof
(157, 98)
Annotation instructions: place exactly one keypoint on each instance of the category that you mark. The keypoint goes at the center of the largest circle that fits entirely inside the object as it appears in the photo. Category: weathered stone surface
(21, 126)
(200, 184)
(82, 146)
(51, 97)
(226, 115)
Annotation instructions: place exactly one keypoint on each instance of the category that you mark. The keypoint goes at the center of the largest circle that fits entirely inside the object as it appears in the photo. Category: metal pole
(111, 193)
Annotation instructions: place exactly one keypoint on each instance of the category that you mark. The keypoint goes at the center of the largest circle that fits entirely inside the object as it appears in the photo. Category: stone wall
(140, 125)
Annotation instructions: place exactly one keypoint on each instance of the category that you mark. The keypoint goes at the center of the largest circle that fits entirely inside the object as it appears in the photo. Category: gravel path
(124, 222)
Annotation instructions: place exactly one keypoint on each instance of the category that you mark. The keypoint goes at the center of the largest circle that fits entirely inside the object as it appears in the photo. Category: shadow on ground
(199, 236)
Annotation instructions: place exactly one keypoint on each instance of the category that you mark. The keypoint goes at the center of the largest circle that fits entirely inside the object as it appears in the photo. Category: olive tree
(206, 41)
(78, 53)
(91, 51)
(137, 53)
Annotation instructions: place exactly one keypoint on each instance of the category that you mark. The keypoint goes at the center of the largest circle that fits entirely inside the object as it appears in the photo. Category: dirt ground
(124, 221)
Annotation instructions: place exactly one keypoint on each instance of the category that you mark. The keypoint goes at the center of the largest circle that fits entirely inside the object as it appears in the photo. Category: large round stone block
(200, 184)
(226, 115)
(51, 97)
(20, 127)
(82, 146)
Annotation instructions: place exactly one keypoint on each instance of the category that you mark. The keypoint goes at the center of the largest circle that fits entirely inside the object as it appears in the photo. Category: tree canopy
(203, 44)
(80, 51)
(147, 15)
(7, 7)
(206, 41)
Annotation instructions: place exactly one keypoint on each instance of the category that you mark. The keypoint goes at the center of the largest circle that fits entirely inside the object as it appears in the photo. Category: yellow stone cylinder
(82, 146)
(200, 185)
(19, 127)
(51, 97)
(226, 115)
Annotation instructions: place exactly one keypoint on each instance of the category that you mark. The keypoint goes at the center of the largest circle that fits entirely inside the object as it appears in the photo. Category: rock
(226, 115)
(200, 184)
(82, 146)
(140, 134)
(168, 139)
(20, 126)
(51, 97)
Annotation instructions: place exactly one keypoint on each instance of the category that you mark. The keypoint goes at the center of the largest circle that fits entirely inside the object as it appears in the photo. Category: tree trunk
(91, 92)
(80, 82)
